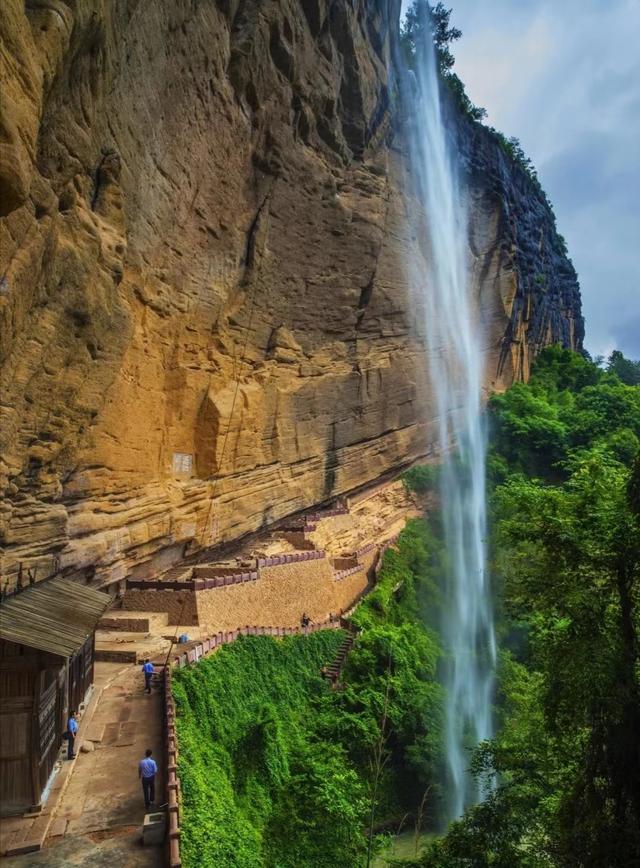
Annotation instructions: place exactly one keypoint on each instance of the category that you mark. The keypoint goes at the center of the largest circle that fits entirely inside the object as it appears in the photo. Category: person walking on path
(72, 729)
(147, 770)
(147, 668)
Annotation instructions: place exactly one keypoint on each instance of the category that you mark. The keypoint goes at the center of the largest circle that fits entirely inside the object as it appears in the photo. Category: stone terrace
(318, 563)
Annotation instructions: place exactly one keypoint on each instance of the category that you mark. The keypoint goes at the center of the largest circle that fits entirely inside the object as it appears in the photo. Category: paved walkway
(100, 810)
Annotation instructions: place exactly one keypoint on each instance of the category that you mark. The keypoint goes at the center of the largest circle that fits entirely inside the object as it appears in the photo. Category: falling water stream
(456, 372)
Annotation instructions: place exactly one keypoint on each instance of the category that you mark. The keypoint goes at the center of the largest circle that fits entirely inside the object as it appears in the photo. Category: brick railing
(365, 550)
(173, 781)
(389, 544)
(193, 584)
(293, 558)
(343, 574)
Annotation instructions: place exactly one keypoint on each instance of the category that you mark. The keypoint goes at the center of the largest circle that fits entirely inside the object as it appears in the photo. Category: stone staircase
(334, 670)
(134, 622)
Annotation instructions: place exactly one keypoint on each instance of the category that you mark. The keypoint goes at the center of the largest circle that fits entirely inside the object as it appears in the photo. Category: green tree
(423, 21)
(421, 18)
(566, 555)
(571, 561)
(625, 369)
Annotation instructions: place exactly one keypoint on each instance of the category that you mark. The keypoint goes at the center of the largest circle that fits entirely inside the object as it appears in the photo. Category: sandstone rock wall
(205, 323)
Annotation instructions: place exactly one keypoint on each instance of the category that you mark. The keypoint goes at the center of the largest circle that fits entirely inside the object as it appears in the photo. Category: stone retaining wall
(282, 589)
(283, 592)
(180, 605)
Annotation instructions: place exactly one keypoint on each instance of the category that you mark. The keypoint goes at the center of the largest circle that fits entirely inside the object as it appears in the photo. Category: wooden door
(16, 713)
(49, 730)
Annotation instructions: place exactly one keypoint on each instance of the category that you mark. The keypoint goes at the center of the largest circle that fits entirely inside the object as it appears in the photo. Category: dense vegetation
(566, 555)
(279, 770)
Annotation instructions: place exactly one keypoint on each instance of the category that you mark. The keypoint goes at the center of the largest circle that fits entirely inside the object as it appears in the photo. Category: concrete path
(121, 849)
(98, 817)
(104, 791)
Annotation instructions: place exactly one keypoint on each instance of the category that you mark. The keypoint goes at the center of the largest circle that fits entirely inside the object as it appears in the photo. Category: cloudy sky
(564, 77)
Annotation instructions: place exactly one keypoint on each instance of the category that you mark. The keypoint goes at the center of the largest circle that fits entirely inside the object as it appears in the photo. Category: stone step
(120, 646)
(28, 838)
(108, 655)
(134, 621)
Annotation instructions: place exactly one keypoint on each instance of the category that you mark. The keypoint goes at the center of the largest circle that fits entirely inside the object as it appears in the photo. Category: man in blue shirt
(147, 668)
(72, 729)
(147, 770)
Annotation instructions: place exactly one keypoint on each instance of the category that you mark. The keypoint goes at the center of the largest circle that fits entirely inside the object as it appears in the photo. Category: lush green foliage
(276, 768)
(421, 18)
(242, 745)
(566, 547)
(625, 369)
(421, 478)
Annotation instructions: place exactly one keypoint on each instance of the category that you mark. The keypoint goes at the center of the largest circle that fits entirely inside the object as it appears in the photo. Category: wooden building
(47, 635)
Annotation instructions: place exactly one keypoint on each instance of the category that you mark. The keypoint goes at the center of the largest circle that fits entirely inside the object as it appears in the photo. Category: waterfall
(453, 333)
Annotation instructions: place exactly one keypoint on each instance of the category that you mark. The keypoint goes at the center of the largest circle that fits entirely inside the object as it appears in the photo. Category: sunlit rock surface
(202, 210)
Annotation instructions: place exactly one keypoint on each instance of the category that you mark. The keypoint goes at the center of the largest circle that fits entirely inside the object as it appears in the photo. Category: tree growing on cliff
(422, 19)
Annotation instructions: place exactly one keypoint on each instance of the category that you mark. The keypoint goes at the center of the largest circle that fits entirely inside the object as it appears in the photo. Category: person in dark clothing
(72, 729)
(147, 668)
(305, 620)
(147, 771)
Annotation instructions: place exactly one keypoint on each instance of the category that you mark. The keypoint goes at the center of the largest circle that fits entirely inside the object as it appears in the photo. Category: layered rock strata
(205, 321)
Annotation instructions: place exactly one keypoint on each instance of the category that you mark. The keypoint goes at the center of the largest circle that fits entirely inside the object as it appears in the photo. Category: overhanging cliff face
(205, 320)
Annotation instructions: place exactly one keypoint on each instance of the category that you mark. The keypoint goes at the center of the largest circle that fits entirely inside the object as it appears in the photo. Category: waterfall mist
(456, 372)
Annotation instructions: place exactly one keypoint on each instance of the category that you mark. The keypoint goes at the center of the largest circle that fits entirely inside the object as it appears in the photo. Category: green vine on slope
(276, 767)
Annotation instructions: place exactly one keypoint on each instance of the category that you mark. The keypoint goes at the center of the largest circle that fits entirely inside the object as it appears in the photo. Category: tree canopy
(565, 549)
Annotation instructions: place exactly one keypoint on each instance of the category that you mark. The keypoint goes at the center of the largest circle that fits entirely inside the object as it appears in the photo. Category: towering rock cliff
(206, 324)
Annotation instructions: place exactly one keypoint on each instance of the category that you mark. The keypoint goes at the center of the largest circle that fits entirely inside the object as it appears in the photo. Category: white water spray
(456, 373)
